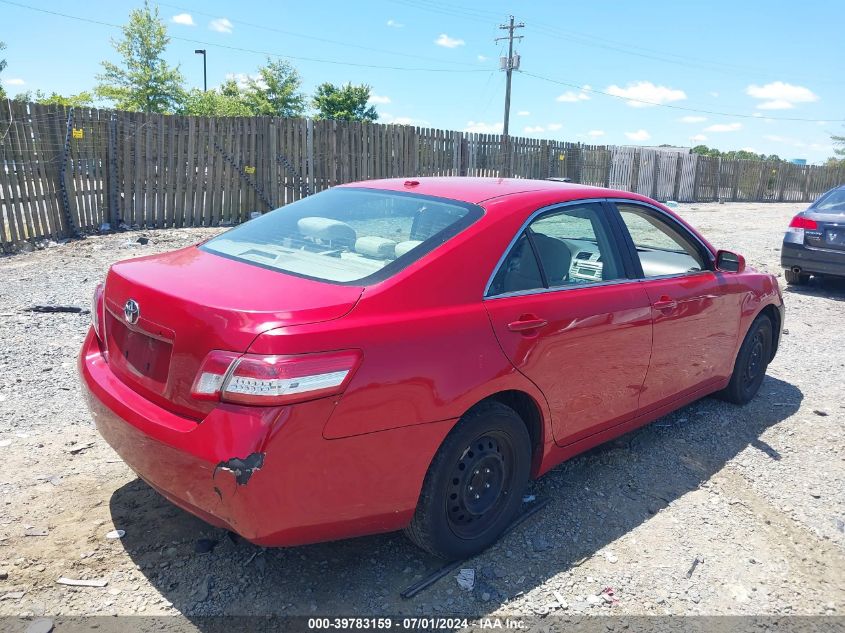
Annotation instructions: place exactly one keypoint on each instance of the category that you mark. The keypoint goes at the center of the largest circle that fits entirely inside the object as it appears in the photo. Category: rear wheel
(795, 279)
(474, 486)
(751, 362)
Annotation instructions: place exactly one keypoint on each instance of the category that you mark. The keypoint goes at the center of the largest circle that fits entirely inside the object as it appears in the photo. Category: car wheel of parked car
(795, 279)
(474, 486)
(751, 362)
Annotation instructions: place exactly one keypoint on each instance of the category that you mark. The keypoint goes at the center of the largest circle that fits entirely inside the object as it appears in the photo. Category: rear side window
(567, 247)
(346, 235)
(831, 201)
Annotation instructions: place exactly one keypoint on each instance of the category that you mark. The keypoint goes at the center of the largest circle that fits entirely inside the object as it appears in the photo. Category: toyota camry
(407, 354)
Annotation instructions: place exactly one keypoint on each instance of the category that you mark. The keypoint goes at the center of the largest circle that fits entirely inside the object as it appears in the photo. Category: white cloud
(762, 117)
(221, 25)
(595, 133)
(692, 119)
(645, 91)
(723, 127)
(385, 117)
(243, 79)
(481, 58)
(523, 113)
(779, 95)
(775, 138)
(448, 42)
(378, 99)
(529, 129)
(698, 138)
(14, 81)
(484, 128)
(554, 127)
(394, 24)
(714, 94)
(184, 19)
(639, 135)
(573, 97)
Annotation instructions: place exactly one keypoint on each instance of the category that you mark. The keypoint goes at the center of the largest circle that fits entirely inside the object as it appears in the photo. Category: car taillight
(97, 311)
(800, 222)
(273, 380)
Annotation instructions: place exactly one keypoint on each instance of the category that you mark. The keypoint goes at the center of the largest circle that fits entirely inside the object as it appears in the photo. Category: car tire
(795, 279)
(474, 486)
(751, 362)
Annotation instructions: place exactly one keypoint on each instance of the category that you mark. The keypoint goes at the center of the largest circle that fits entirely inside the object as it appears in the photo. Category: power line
(588, 39)
(249, 50)
(583, 88)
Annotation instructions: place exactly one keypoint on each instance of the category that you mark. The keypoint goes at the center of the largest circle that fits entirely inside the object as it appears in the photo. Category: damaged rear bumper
(266, 473)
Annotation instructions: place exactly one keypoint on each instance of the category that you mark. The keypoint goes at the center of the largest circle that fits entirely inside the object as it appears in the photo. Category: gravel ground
(711, 510)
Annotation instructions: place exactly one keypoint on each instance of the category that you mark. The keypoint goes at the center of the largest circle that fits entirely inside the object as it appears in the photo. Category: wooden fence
(68, 171)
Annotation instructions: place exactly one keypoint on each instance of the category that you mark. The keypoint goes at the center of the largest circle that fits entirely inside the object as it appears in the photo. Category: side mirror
(730, 262)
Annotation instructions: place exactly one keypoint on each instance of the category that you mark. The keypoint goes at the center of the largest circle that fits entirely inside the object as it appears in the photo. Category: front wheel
(474, 486)
(751, 362)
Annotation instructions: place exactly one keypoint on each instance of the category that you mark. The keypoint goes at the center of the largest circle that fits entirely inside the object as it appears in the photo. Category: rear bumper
(812, 260)
(266, 473)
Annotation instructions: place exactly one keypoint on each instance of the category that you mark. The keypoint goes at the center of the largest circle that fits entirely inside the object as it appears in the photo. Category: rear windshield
(831, 201)
(346, 235)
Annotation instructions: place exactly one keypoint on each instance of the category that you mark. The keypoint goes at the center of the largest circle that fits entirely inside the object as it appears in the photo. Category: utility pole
(509, 64)
(202, 51)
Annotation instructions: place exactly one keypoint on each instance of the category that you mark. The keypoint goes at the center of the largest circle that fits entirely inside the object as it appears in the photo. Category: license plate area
(138, 354)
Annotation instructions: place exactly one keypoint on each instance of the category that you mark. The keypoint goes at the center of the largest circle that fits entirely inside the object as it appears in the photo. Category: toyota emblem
(131, 311)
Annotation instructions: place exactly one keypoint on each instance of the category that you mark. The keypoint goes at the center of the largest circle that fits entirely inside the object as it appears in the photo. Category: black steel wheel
(474, 486)
(751, 362)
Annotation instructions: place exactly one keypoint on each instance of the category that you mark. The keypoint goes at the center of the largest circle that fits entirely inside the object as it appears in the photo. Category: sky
(727, 74)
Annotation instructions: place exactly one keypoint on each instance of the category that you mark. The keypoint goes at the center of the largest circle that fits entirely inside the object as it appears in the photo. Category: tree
(346, 103)
(214, 103)
(81, 100)
(838, 142)
(274, 92)
(2, 66)
(143, 82)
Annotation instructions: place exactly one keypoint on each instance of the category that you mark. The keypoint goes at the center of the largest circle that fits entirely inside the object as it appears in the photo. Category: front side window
(567, 247)
(346, 235)
(662, 248)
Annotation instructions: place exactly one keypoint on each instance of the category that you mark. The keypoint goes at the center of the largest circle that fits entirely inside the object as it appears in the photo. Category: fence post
(309, 151)
(114, 212)
(679, 171)
(71, 223)
(463, 159)
(635, 172)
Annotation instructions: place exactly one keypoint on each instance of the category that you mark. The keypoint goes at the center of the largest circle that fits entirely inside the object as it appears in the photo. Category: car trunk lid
(165, 312)
(830, 232)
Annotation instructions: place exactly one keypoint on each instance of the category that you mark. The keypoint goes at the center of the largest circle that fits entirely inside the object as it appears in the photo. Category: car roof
(477, 190)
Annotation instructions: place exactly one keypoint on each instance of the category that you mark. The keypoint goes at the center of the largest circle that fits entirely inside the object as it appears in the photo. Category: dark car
(814, 243)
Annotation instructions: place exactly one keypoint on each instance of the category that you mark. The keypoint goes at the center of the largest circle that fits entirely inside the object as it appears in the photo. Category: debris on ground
(74, 582)
(57, 309)
(36, 531)
(116, 534)
(466, 579)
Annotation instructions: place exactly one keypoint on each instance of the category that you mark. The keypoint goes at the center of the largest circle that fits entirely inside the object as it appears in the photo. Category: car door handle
(665, 304)
(526, 322)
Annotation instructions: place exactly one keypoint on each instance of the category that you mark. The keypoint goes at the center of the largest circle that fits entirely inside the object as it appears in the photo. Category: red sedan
(406, 354)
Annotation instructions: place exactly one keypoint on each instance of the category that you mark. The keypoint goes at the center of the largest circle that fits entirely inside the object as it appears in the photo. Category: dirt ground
(714, 509)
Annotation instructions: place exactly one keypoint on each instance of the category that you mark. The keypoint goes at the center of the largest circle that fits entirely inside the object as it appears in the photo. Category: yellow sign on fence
(78, 132)
(249, 169)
